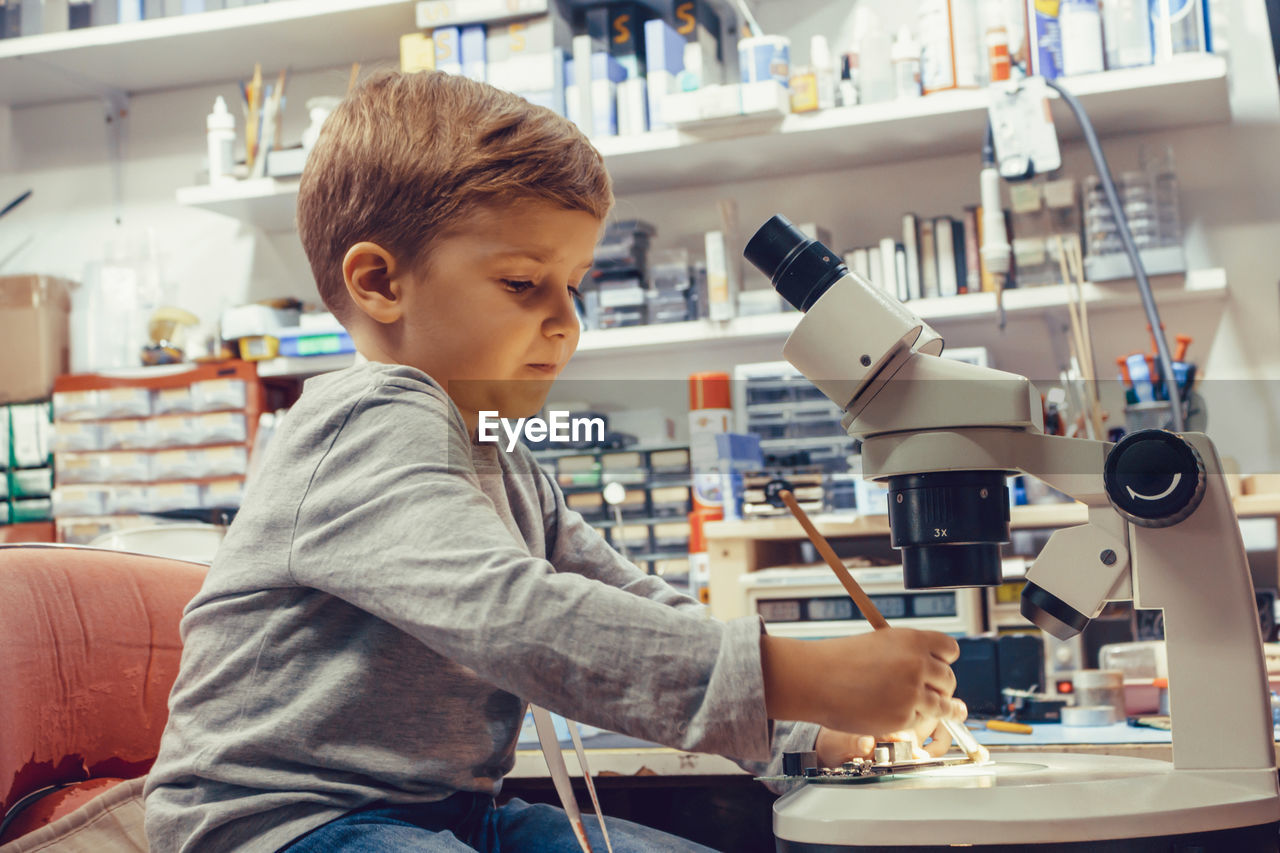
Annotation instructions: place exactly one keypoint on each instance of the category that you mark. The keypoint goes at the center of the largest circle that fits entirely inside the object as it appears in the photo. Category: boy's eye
(517, 285)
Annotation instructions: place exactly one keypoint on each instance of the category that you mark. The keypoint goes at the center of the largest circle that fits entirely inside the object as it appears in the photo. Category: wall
(1229, 176)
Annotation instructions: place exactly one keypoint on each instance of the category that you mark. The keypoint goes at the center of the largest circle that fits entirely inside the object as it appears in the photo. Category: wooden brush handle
(869, 611)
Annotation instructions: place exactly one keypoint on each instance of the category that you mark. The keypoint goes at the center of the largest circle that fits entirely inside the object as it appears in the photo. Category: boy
(393, 593)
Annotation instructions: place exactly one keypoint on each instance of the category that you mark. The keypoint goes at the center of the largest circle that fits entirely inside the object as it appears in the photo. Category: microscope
(1161, 531)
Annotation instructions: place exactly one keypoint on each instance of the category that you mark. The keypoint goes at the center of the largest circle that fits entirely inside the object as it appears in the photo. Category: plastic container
(875, 63)
(710, 414)
(1096, 687)
(824, 70)
(221, 132)
(1158, 164)
(1176, 28)
(194, 542)
(906, 65)
(1126, 25)
(995, 39)
(1080, 22)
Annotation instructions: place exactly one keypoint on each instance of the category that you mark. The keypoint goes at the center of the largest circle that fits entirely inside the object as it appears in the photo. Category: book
(79, 14)
(860, 263)
(945, 244)
(900, 265)
(105, 12)
(928, 259)
(30, 21)
(911, 248)
(972, 252)
(889, 265)
(875, 267)
(56, 16)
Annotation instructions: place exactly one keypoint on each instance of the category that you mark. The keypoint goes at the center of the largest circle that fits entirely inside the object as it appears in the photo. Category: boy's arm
(396, 523)
(575, 546)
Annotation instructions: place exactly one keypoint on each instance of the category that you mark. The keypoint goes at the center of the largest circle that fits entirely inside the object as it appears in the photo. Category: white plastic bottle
(824, 70)
(1081, 26)
(875, 61)
(221, 132)
(906, 65)
(995, 40)
(1126, 26)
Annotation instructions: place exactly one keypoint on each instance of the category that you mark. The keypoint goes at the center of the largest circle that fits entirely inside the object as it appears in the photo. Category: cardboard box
(34, 312)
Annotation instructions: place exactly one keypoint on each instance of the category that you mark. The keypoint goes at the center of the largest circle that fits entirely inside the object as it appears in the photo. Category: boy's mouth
(543, 368)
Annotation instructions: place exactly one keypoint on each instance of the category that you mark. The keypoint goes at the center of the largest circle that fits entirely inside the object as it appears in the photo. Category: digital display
(890, 606)
(939, 604)
(830, 609)
(785, 610)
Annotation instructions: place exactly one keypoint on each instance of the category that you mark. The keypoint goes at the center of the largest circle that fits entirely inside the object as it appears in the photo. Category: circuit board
(888, 759)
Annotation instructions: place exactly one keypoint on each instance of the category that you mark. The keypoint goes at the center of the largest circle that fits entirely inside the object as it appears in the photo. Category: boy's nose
(562, 315)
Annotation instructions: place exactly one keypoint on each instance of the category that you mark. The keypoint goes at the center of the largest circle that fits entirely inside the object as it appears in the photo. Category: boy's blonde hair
(406, 157)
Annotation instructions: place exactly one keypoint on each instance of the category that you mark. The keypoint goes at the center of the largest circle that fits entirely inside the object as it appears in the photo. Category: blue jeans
(468, 822)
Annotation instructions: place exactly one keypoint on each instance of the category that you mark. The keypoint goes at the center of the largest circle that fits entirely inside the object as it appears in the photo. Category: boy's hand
(835, 748)
(883, 681)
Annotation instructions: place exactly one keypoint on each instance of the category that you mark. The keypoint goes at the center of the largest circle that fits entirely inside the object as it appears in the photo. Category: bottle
(1157, 162)
(1176, 27)
(847, 91)
(804, 89)
(710, 413)
(875, 61)
(1080, 23)
(995, 38)
(824, 70)
(906, 65)
(221, 131)
(1126, 26)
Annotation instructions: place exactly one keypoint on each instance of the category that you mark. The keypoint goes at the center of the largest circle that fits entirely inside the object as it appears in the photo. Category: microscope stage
(1034, 798)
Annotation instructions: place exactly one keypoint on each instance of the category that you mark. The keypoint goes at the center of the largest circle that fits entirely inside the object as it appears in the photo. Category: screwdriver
(959, 733)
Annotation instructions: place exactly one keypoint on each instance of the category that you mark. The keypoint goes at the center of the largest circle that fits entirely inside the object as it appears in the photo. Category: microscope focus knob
(1154, 478)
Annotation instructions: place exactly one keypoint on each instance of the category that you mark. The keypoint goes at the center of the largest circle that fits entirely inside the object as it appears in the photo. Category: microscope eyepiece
(800, 267)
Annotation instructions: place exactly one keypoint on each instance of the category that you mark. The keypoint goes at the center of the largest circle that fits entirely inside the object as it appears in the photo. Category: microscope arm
(1193, 567)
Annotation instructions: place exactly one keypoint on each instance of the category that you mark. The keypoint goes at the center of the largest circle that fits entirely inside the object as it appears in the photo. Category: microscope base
(1039, 801)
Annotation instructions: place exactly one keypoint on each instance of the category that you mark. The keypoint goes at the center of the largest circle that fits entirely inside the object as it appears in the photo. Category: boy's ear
(373, 281)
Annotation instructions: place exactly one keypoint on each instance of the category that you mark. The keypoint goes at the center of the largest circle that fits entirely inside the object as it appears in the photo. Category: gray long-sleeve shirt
(389, 598)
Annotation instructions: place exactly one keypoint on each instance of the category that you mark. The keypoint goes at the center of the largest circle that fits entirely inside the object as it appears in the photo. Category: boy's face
(492, 316)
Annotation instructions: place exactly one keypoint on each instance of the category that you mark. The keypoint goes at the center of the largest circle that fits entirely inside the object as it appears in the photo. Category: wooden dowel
(869, 611)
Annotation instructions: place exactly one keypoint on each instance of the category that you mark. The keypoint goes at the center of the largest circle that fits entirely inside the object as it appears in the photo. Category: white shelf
(268, 203)
(1199, 285)
(1191, 91)
(299, 367)
(1188, 92)
(211, 47)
